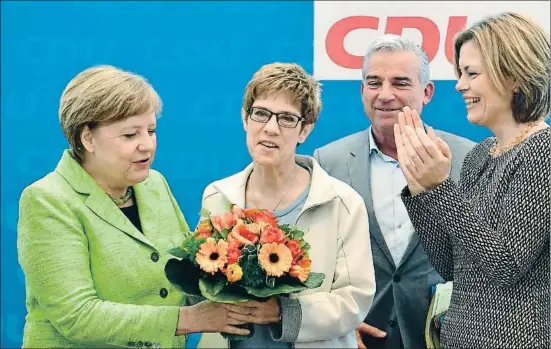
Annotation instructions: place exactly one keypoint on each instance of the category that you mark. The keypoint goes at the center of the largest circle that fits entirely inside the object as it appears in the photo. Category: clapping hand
(424, 158)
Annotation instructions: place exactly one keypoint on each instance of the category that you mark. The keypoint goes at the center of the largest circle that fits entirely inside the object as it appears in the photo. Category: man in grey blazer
(395, 73)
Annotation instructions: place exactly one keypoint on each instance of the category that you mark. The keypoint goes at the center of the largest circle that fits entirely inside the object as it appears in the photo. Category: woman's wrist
(185, 323)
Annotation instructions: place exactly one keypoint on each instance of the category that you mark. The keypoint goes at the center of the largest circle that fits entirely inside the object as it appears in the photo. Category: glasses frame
(277, 115)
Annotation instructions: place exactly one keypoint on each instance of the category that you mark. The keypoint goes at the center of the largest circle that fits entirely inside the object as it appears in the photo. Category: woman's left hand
(256, 312)
(425, 157)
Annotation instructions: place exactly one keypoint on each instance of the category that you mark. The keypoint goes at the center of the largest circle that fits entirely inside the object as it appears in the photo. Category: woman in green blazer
(93, 234)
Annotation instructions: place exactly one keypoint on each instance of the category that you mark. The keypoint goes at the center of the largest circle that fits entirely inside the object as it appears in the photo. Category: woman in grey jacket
(490, 232)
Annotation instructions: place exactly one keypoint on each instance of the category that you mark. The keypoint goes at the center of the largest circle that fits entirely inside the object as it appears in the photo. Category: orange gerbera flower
(212, 256)
(275, 258)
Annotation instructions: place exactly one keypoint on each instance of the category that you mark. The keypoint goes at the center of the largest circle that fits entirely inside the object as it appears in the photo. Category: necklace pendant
(125, 198)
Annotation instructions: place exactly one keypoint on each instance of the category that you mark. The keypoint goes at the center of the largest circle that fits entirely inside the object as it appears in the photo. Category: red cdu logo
(334, 41)
(344, 29)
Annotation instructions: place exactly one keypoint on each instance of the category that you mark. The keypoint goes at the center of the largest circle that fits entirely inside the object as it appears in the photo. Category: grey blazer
(403, 291)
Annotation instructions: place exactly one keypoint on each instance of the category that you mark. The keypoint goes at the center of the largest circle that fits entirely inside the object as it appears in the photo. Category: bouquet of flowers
(241, 255)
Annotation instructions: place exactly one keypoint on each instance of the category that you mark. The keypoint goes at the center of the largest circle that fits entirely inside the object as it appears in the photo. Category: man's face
(391, 83)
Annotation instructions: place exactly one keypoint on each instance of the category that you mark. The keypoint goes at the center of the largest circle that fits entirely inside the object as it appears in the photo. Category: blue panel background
(198, 55)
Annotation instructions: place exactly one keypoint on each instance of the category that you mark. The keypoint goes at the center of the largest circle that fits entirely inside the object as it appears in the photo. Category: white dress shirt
(387, 181)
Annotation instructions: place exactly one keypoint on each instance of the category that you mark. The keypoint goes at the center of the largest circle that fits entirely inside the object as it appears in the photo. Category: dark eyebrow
(271, 111)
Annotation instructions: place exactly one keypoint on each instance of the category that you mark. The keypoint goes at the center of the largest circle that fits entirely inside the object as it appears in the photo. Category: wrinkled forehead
(391, 65)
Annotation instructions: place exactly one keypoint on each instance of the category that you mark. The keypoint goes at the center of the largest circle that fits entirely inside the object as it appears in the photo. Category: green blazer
(92, 278)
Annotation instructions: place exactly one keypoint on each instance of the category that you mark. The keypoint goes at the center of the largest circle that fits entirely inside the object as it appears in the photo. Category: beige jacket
(334, 219)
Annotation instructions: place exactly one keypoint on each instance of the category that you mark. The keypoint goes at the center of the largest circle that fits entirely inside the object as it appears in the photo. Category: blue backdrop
(198, 55)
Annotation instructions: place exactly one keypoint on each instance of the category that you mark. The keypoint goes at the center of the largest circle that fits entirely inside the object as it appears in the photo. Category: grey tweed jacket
(403, 291)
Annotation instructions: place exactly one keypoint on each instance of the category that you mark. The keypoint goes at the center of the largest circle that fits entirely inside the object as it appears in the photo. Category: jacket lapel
(147, 198)
(101, 204)
(233, 188)
(413, 242)
(359, 171)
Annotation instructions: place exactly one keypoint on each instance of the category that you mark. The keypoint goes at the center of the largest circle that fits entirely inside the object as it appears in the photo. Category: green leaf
(306, 247)
(286, 228)
(218, 286)
(297, 234)
(253, 275)
(207, 288)
(278, 289)
(204, 213)
(314, 280)
(225, 233)
(184, 275)
(217, 236)
(178, 252)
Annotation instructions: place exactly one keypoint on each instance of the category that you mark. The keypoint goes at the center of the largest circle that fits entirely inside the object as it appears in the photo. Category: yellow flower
(234, 273)
(212, 256)
(275, 258)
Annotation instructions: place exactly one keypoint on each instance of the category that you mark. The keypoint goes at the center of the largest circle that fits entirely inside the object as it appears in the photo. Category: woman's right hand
(207, 317)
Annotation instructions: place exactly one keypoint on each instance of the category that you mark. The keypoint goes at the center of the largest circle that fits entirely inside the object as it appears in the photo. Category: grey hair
(392, 43)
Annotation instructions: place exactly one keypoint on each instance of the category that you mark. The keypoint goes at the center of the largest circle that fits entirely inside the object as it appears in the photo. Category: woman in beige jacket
(280, 108)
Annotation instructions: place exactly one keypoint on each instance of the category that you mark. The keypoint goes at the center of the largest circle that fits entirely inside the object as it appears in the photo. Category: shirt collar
(373, 147)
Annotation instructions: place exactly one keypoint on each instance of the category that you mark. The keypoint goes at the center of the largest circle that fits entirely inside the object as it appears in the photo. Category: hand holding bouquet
(242, 255)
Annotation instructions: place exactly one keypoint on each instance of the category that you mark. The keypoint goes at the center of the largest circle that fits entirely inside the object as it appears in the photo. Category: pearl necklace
(496, 151)
(125, 198)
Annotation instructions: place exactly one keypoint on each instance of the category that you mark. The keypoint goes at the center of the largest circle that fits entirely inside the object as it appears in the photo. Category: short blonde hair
(288, 79)
(514, 49)
(102, 95)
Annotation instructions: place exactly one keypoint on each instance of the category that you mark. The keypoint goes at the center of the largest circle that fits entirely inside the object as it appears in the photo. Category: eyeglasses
(283, 119)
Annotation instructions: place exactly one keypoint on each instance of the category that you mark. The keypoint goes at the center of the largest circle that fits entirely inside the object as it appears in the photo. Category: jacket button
(392, 323)
(148, 344)
(163, 293)
(396, 278)
(154, 256)
(140, 344)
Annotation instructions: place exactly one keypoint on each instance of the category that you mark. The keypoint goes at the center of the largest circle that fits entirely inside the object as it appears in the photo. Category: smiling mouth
(269, 145)
(388, 109)
(471, 101)
(144, 161)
